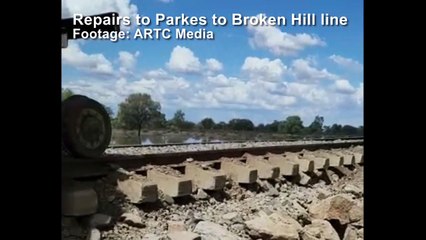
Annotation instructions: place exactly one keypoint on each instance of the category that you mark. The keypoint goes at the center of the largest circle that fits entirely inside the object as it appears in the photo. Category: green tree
(159, 121)
(316, 126)
(336, 129)
(241, 124)
(221, 125)
(349, 130)
(178, 119)
(327, 130)
(138, 110)
(66, 93)
(260, 127)
(272, 127)
(292, 125)
(187, 125)
(207, 123)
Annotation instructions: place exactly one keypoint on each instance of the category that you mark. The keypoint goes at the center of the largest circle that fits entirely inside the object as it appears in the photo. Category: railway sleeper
(137, 189)
(287, 167)
(319, 162)
(174, 185)
(205, 176)
(239, 171)
(266, 169)
(334, 159)
(348, 158)
(305, 165)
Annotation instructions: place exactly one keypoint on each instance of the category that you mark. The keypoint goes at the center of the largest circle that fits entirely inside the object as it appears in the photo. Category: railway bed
(77, 166)
(171, 178)
(210, 169)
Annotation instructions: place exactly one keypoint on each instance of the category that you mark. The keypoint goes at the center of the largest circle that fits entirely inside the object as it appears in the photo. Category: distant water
(159, 139)
(193, 140)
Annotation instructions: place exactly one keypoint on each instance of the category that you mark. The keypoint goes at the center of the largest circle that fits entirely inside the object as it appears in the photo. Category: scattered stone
(319, 230)
(356, 214)
(228, 211)
(238, 227)
(334, 177)
(358, 224)
(323, 194)
(350, 234)
(360, 233)
(184, 235)
(151, 236)
(132, 220)
(94, 234)
(303, 179)
(201, 194)
(230, 216)
(212, 231)
(272, 192)
(300, 213)
(274, 226)
(350, 188)
(176, 226)
(168, 199)
(339, 207)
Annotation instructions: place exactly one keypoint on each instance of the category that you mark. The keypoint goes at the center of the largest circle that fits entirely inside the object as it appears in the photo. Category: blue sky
(263, 73)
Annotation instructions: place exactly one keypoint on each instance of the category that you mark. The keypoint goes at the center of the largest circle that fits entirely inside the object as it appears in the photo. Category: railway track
(138, 181)
(185, 169)
(328, 139)
(75, 167)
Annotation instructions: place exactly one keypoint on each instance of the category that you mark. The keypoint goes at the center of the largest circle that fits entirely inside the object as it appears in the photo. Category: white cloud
(123, 7)
(304, 72)
(165, 89)
(100, 90)
(127, 61)
(214, 65)
(261, 86)
(281, 43)
(166, 1)
(312, 93)
(343, 86)
(183, 60)
(231, 92)
(263, 69)
(317, 99)
(91, 63)
(225, 93)
(346, 62)
(159, 74)
(221, 80)
(358, 96)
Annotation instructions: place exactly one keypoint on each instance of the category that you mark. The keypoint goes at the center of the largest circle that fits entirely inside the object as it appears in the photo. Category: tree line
(139, 111)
